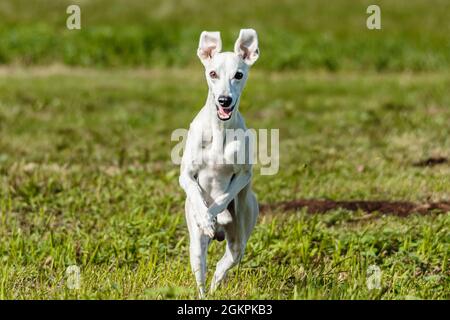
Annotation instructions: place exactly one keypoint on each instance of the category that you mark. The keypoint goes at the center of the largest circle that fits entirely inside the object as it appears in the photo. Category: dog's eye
(238, 75)
(213, 75)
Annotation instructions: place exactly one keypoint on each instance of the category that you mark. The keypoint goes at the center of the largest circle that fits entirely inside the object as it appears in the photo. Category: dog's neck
(215, 122)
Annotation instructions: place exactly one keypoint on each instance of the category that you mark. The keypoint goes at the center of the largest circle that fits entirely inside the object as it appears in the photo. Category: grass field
(87, 179)
(85, 171)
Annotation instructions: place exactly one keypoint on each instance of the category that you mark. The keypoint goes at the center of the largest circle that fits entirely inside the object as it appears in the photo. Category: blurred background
(295, 34)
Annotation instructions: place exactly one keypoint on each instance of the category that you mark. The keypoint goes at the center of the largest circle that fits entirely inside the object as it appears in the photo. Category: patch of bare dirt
(399, 208)
(431, 162)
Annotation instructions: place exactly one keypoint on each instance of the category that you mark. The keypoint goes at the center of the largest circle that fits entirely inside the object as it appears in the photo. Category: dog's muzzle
(223, 113)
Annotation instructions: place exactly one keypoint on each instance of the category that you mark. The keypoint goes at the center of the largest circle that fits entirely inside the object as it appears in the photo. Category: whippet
(220, 203)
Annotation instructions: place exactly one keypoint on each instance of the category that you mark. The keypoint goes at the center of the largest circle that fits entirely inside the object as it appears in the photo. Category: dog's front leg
(190, 167)
(237, 184)
(198, 248)
(204, 220)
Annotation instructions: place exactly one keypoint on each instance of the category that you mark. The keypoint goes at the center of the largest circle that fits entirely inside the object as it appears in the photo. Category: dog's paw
(224, 217)
(207, 224)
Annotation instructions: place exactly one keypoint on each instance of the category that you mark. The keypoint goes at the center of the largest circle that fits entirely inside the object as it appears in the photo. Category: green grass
(86, 179)
(293, 34)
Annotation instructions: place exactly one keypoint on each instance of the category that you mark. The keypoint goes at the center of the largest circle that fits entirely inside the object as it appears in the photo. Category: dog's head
(227, 72)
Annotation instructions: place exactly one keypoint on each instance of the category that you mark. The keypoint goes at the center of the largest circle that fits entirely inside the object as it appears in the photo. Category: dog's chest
(216, 171)
(216, 158)
(219, 155)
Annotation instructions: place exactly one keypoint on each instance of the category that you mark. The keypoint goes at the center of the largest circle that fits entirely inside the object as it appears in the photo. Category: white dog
(220, 203)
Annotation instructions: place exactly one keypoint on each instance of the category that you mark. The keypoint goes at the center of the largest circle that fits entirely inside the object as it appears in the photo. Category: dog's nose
(225, 101)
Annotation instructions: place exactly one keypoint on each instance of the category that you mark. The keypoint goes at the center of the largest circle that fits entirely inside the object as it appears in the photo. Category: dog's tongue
(224, 112)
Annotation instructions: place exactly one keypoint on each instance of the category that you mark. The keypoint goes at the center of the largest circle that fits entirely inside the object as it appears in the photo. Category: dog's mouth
(224, 114)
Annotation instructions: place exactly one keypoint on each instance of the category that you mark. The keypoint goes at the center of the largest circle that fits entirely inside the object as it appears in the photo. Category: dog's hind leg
(198, 248)
(244, 214)
(233, 255)
(234, 249)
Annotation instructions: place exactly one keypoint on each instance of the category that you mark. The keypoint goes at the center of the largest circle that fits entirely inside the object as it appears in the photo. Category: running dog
(220, 203)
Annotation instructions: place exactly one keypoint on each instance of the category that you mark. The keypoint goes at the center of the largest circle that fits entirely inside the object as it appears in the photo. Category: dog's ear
(246, 46)
(210, 44)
